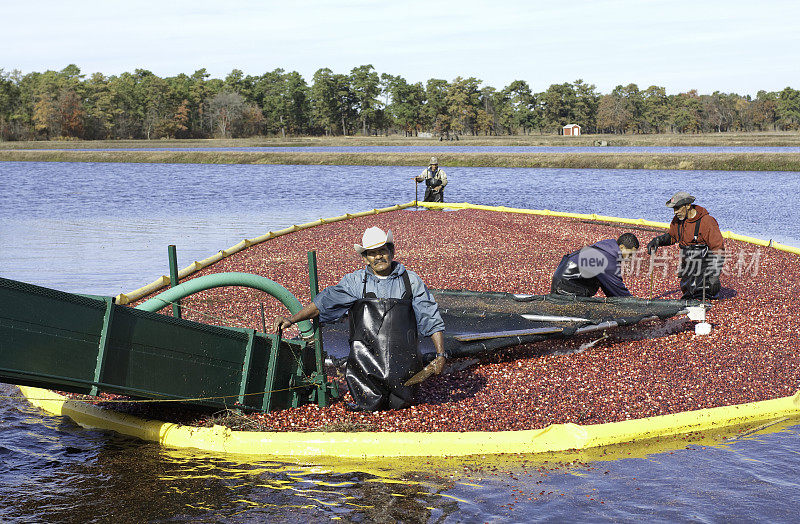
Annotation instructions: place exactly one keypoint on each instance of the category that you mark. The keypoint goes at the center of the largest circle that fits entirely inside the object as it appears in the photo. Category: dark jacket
(609, 279)
(682, 231)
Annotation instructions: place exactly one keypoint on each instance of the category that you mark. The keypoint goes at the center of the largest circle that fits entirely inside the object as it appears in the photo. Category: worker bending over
(582, 273)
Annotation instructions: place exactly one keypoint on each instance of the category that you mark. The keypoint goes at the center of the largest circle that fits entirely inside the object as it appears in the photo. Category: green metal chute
(203, 283)
(85, 344)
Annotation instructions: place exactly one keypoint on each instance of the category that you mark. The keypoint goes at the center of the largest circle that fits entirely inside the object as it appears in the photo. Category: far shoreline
(734, 139)
(589, 160)
(132, 151)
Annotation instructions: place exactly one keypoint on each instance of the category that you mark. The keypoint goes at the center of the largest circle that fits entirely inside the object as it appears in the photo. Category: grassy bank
(775, 139)
(699, 161)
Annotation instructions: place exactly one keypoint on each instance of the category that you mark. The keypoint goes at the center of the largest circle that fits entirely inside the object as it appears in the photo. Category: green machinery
(87, 344)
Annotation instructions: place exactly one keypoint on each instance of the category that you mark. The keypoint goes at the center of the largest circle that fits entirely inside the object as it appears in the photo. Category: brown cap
(679, 199)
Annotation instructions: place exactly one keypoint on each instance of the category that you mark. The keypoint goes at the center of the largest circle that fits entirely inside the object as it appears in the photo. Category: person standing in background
(435, 181)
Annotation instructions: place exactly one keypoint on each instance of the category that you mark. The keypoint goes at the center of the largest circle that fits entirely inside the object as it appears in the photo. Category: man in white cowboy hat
(435, 181)
(701, 244)
(388, 306)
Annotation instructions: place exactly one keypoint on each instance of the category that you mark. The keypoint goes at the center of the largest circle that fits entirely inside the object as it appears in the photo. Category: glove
(660, 240)
(652, 246)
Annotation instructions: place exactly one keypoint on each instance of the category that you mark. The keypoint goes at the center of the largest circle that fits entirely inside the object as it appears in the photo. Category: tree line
(142, 105)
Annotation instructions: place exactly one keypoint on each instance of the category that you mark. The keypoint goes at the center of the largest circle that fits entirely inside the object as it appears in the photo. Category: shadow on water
(55, 471)
(62, 473)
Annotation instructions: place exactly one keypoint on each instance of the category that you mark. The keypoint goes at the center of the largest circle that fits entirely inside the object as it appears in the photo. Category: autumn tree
(687, 112)
(225, 112)
(179, 124)
(763, 111)
(140, 104)
(742, 107)
(252, 121)
(70, 113)
(720, 110)
(45, 117)
(28, 97)
(612, 115)
(57, 102)
(195, 89)
(11, 106)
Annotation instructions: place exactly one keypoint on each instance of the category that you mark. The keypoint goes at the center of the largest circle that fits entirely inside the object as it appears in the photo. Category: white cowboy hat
(373, 238)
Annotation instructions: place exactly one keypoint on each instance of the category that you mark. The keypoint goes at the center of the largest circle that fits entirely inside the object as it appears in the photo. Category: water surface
(104, 228)
(55, 471)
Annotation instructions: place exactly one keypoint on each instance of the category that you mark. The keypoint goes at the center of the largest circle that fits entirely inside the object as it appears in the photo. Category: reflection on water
(103, 228)
(53, 470)
(270, 491)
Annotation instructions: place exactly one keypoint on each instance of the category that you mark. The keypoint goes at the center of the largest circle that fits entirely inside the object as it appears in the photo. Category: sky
(709, 45)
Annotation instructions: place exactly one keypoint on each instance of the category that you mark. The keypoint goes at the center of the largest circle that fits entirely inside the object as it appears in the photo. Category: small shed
(572, 130)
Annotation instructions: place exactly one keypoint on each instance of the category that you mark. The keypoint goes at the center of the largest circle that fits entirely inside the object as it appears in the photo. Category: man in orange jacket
(701, 244)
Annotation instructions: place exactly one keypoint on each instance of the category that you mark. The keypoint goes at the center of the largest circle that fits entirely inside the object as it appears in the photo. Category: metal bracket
(103, 345)
(248, 353)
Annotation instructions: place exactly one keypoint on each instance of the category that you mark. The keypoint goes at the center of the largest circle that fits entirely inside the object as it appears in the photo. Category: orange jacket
(682, 231)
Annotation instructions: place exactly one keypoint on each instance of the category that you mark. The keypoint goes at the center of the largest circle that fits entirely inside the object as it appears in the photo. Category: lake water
(104, 228)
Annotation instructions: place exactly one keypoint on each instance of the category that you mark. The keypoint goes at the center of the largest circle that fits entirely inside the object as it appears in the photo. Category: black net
(481, 321)
(485, 321)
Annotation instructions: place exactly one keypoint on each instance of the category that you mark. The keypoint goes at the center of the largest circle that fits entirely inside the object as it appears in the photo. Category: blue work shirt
(610, 279)
(334, 301)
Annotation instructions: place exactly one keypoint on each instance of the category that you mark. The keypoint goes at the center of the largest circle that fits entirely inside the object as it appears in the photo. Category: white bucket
(696, 313)
(702, 328)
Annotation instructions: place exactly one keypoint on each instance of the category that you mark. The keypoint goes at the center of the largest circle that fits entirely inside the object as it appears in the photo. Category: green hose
(198, 284)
